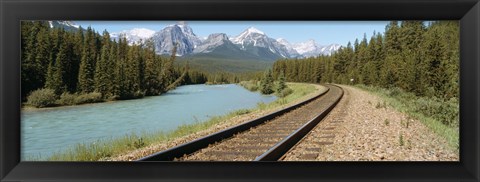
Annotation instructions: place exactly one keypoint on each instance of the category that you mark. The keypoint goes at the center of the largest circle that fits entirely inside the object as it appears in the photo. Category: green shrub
(253, 88)
(400, 140)
(89, 98)
(251, 85)
(285, 92)
(261, 105)
(242, 112)
(138, 94)
(393, 92)
(42, 98)
(443, 111)
(67, 99)
(381, 105)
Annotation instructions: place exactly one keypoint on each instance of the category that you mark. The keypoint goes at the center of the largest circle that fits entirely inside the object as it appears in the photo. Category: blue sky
(323, 32)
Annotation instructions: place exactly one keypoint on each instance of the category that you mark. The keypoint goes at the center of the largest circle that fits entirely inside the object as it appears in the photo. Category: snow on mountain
(328, 50)
(134, 36)
(293, 53)
(248, 34)
(64, 23)
(307, 47)
(67, 25)
(180, 33)
(187, 30)
(310, 48)
(212, 42)
(250, 40)
(253, 37)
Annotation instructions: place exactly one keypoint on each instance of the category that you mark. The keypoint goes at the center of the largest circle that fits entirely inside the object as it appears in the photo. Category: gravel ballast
(363, 128)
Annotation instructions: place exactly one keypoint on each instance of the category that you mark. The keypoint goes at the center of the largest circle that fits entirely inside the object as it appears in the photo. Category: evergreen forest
(64, 64)
(415, 56)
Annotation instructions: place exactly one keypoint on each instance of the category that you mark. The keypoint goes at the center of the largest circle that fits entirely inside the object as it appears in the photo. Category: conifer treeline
(85, 62)
(418, 58)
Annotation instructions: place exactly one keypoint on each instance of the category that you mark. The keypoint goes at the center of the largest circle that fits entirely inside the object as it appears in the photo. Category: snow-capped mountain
(328, 50)
(187, 30)
(67, 25)
(254, 38)
(134, 36)
(251, 43)
(293, 53)
(213, 41)
(248, 35)
(180, 33)
(305, 48)
(310, 48)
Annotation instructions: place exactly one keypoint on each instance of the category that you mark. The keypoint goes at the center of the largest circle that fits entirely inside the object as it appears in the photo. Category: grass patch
(381, 105)
(442, 117)
(387, 122)
(116, 146)
(400, 140)
(251, 85)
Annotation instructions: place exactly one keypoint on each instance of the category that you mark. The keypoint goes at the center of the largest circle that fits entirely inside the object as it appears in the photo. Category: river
(49, 130)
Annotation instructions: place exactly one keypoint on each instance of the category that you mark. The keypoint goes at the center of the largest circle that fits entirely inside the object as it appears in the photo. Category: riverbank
(132, 147)
(367, 126)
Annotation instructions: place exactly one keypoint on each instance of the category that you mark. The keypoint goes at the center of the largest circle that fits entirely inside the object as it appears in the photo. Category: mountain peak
(212, 42)
(142, 32)
(311, 42)
(250, 35)
(222, 36)
(283, 41)
(179, 32)
(254, 30)
(181, 23)
(134, 36)
(63, 23)
(306, 47)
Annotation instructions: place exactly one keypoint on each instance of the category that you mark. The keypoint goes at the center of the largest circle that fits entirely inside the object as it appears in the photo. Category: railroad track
(264, 139)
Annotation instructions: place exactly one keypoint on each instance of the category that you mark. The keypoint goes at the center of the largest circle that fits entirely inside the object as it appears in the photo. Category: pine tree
(120, 68)
(60, 75)
(266, 84)
(168, 72)
(86, 72)
(389, 73)
(104, 69)
(132, 73)
(281, 83)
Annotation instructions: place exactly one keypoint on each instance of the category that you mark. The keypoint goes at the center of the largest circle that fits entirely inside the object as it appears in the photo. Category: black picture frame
(12, 11)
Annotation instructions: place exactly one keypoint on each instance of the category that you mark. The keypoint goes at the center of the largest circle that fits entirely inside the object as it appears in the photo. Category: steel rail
(195, 145)
(282, 147)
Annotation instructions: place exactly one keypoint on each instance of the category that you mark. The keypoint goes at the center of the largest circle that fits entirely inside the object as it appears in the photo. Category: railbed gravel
(360, 128)
(142, 152)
